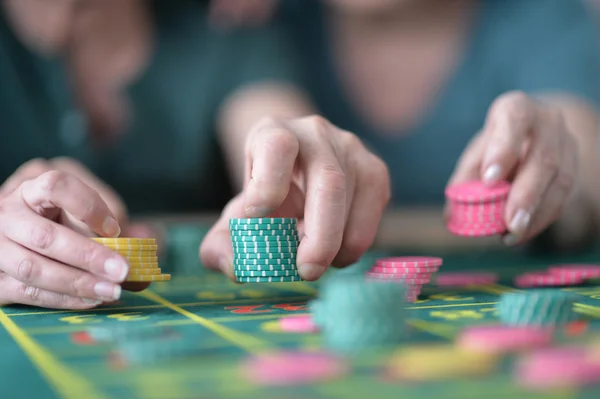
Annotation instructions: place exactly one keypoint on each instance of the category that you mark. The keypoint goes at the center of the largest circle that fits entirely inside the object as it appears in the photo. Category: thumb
(216, 251)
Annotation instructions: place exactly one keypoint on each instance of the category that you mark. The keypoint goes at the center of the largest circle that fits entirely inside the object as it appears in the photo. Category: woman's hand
(311, 170)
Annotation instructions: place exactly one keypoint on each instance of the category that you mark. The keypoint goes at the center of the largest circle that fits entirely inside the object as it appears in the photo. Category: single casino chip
(476, 232)
(265, 250)
(288, 279)
(135, 254)
(264, 233)
(439, 362)
(477, 192)
(298, 324)
(264, 245)
(266, 227)
(404, 270)
(556, 368)
(124, 240)
(398, 277)
(540, 307)
(545, 279)
(132, 247)
(584, 271)
(293, 368)
(499, 225)
(265, 273)
(487, 208)
(150, 265)
(264, 262)
(144, 271)
(404, 273)
(409, 262)
(265, 255)
(503, 339)
(282, 268)
(148, 278)
(262, 221)
(462, 279)
(247, 239)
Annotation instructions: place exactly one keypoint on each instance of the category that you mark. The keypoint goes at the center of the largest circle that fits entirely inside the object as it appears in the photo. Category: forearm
(247, 106)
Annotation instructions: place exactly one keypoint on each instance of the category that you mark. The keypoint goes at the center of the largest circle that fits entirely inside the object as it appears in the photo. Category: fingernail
(90, 301)
(310, 272)
(509, 240)
(111, 227)
(107, 290)
(116, 269)
(520, 222)
(492, 173)
(257, 212)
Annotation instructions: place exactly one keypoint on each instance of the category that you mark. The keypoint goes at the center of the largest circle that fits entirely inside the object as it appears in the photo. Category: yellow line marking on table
(451, 305)
(245, 341)
(589, 310)
(442, 330)
(64, 381)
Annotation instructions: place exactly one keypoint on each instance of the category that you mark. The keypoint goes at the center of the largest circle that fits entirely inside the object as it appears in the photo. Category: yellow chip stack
(140, 253)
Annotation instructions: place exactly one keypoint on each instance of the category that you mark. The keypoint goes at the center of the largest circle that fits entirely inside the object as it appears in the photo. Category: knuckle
(49, 181)
(26, 271)
(42, 236)
(87, 254)
(79, 286)
(514, 104)
(332, 183)
(351, 142)
(281, 141)
(319, 126)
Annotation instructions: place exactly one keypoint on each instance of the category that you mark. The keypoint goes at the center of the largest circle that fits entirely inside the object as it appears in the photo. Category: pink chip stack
(412, 271)
(477, 209)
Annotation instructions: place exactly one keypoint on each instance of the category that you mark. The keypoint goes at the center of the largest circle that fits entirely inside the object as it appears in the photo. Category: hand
(527, 142)
(227, 14)
(308, 169)
(44, 261)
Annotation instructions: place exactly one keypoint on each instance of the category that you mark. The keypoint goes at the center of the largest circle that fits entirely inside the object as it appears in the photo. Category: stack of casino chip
(477, 209)
(140, 254)
(541, 307)
(357, 314)
(413, 271)
(264, 249)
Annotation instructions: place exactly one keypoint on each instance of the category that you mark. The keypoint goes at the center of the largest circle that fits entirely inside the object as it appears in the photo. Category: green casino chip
(265, 255)
(265, 262)
(264, 233)
(538, 307)
(272, 244)
(268, 227)
(265, 239)
(266, 273)
(289, 279)
(264, 250)
(268, 268)
(262, 221)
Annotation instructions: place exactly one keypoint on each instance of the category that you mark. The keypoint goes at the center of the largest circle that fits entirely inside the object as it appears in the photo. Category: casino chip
(464, 279)
(477, 209)
(316, 309)
(503, 339)
(541, 307)
(548, 279)
(264, 249)
(140, 254)
(412, 271)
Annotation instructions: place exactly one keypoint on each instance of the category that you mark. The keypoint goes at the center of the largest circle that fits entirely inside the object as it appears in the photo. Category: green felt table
(48, 354)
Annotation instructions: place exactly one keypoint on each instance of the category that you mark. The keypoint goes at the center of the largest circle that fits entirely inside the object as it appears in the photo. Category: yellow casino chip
(135, 272)
(132, 247)
(153, 265)
(135, 254)
(124, 240)
(137, 260)
(148, 278)
(439, 362)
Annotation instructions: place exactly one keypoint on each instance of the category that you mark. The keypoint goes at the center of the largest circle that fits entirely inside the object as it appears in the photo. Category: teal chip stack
(264, 249)
(543, 307)
(359, 314)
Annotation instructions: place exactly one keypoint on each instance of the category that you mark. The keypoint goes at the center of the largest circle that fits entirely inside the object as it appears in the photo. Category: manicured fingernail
(116, 269)
(107, 290)
(492, 174)
(520, 222)
(257, 212)
(311, 272)
(111, 227)
(90, 301)
(509, 240)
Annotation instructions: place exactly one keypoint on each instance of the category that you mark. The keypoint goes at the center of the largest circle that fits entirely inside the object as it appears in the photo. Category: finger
(511, 119)
(60, 190)
(371, 197)
(63, 245)
(325, 208)
(43, 273)
(272, 151)
(540, 167)
(13, 291)
(27, 171)
(216, 251)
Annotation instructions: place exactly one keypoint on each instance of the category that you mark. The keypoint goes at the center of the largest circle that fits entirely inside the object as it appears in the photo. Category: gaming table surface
(48, 353)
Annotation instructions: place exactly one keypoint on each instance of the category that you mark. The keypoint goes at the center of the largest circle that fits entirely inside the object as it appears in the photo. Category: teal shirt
(169, 159)
(530, 45)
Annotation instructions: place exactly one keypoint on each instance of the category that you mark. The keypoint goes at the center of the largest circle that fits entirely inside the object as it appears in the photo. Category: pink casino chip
(477, 192)
(553, 368)
(400, 272)
(462, 279)
(293, 368)
(409, 262)
(405, 279)
(504, 339)
(582, 270)
(543, 279)
(298, 324)
(405, 270)
(478, 231)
